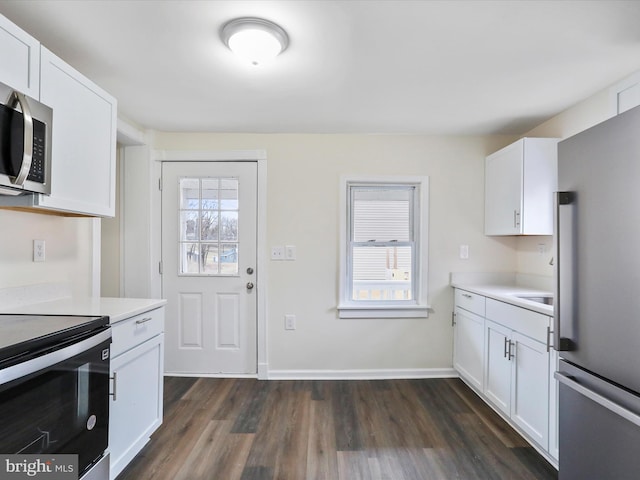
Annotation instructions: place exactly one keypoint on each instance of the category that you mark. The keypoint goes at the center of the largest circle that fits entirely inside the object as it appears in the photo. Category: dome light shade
(254, 39)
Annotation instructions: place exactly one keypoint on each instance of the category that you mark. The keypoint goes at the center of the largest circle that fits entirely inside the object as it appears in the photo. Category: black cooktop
(22, 334)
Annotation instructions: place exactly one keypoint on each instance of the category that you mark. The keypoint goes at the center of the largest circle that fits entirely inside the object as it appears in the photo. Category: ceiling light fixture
(254, 39)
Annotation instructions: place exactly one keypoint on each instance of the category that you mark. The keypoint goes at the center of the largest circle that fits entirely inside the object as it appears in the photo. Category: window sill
(383, 311)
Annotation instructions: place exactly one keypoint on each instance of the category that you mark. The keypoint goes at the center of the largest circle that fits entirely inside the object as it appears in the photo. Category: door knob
(249, 285)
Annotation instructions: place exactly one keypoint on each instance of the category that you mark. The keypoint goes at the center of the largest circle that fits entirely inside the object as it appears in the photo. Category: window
(384, 247)
(208, 226)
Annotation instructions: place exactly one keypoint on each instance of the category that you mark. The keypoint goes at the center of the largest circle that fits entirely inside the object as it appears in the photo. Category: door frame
(259, 157)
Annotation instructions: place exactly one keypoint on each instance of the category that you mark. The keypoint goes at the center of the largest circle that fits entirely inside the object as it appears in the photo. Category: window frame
(418, 306)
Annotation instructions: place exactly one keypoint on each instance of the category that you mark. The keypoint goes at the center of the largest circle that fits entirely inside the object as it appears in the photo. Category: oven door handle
(40, 363)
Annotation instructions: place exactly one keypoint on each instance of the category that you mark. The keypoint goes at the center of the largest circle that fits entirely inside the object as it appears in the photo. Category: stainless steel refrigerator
(597, 311)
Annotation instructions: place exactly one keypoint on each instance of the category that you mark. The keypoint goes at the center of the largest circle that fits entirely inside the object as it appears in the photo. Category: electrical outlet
(542, 248)
(38, 251)
(289, 322)
(277, 253)
(464, 252)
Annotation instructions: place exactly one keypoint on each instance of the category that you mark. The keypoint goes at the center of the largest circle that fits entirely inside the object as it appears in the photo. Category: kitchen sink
(544, 299)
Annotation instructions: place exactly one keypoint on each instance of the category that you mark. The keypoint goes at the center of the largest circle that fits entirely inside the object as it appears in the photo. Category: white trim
(617, 89)
(259, 156)
(129, 135)
(391, 374)
(210, 375)
(208, 155)
(384, 311)
(350, 309)
(120, 156)
(96, 256)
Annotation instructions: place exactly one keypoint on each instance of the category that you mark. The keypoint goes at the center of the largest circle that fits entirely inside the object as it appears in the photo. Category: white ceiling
(435, 67)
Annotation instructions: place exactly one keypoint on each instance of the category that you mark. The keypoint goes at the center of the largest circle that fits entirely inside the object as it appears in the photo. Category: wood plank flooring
(244, 429)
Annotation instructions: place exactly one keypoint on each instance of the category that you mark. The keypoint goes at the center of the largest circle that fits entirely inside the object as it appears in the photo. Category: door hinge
(160, 184)
(453, 319)
(160, 268)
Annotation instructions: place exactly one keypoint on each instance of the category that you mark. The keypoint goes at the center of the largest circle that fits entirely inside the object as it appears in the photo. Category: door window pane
(208, 217)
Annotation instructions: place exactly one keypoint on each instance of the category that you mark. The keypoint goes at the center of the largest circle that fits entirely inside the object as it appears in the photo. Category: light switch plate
(289, 322)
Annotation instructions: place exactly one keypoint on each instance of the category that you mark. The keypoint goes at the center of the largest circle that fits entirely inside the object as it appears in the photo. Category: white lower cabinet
(517, 379)
(137, 369)
(554, 406)
(468, 346)
(504, 356)
(498, 366)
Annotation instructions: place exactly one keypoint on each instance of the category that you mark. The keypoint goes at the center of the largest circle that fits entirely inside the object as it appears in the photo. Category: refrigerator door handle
(560, 343)
(599, 399)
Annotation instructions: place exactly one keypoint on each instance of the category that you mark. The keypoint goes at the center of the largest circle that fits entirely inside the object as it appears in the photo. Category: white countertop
(116, 308)
(508, 294)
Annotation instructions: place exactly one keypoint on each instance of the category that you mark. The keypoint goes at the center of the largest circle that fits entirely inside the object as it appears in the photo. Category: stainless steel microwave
(25, 144)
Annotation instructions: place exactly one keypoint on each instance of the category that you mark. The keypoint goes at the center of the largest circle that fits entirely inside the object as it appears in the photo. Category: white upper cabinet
(19, 59)
(519, 183)
(83, 154)
(83, 149)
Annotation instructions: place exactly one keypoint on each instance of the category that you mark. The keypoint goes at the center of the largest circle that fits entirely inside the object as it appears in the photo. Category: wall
(110, 257)
(68, 250)
(302, 186)
(581, 116)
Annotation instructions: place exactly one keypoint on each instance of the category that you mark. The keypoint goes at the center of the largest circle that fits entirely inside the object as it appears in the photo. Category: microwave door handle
(17, 98)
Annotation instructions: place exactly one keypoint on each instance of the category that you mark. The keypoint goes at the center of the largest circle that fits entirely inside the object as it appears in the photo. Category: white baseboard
(210, 375)
(391, 374)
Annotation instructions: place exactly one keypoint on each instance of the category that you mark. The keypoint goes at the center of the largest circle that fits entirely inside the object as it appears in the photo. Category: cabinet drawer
(136, 330)
(527, 322)
(470, 301)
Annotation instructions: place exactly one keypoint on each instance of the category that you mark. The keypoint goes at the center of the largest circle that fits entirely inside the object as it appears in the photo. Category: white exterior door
(209, 235)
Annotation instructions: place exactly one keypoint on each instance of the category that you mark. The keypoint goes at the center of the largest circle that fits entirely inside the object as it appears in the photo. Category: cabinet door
(19, 59)
(503, 190)
(498, 366)
(554, 402)
(84, 140)
(468, 347)
(136, 411)
(530, 388)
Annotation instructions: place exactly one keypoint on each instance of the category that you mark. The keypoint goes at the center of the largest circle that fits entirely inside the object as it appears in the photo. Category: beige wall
(110, 245)
(302, 186)
(585, 114)
(303, 176)
(67, 246)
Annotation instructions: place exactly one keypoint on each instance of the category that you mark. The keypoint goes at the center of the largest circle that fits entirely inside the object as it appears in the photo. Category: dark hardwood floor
(225, 429)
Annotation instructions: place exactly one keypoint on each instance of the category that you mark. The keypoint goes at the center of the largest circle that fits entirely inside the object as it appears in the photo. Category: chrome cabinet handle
(115, 382)
(466, 295)
(143, 320)
(17, 98)
(511, 344)
(506, 351)
(549, 334)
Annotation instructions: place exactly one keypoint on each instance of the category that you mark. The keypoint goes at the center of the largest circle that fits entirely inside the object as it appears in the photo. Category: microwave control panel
(36, 172)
